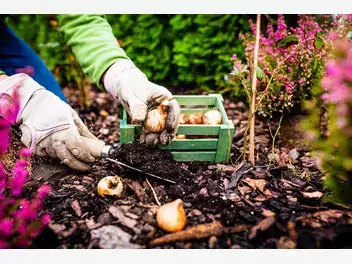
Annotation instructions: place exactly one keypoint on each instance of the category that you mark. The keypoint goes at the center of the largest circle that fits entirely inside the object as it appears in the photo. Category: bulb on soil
(156, 119)
(171, 217)
(110, 186)
(212, 117)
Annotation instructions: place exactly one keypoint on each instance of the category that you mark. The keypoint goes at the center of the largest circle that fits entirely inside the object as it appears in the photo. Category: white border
(175, 256)
(177, 6)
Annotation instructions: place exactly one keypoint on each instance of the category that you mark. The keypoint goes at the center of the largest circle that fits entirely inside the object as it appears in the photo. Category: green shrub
(201, 52)
(146, 40)
(172, 50)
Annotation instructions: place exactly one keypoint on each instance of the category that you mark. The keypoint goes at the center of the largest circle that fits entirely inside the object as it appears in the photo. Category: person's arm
(92, 41)
(97, 51)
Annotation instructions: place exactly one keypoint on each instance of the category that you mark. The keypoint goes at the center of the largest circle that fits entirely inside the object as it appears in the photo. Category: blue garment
(16, 54)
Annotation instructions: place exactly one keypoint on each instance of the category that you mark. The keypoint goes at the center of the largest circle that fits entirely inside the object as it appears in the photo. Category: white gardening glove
(51, 127)
(137, 94)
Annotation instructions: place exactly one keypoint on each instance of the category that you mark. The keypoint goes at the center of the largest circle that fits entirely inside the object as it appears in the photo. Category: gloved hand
(137, 94)
(51, 127)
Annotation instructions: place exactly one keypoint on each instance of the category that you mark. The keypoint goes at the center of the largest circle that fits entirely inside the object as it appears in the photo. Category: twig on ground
(154, 194)
(199, 232)
(274, 138)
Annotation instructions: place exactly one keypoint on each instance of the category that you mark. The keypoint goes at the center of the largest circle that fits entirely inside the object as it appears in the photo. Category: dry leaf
(258, 184)
(316, 194)
(284, 158)
(262, 226)
(293, 154)
(244, 190)
(260, 198)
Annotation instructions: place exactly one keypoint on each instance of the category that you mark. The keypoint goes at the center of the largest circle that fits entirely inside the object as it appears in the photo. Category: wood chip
(91, 224)
(317, 219)
(87, 180)
(120, 215)
(69, 232)
(113, 237)
(138, 189)
(262, 226)
(286, 243)
(76, 207)
(80, 188)
(57, 228)
(267, 213)
(316, 194)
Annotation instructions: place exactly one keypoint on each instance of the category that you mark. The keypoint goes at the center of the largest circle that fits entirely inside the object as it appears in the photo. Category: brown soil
(280, 204)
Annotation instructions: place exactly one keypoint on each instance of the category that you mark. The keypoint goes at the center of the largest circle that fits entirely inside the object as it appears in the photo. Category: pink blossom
(43, 192)
(19, 221)
(26, 152)
(6, 226)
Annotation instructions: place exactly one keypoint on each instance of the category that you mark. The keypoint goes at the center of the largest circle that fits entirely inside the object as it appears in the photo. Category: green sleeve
(92, 41)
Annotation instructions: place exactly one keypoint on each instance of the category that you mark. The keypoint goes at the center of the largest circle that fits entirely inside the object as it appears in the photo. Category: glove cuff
(116, 71)
(25, 87)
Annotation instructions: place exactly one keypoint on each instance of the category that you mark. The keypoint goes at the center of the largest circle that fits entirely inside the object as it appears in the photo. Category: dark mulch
(282, 203)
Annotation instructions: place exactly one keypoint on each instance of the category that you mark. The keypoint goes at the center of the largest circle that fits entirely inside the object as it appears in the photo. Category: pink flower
(43, 192)
(19, 221)
(6, 226)
(26, 152)
(46, 219)
(3, 245)
(331, 69)
(333, 36)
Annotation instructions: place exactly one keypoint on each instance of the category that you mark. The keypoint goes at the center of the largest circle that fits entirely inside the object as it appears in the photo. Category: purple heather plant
(20, 222)
(290, 62)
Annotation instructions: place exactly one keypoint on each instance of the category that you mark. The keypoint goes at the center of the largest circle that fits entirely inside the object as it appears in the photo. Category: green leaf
(260, 74)
(287, 41)
(318, 42)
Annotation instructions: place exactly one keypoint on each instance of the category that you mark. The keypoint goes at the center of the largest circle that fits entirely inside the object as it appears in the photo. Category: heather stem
(254, 92)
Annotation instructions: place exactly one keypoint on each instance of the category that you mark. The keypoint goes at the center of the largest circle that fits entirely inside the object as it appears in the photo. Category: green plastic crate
(216, 148)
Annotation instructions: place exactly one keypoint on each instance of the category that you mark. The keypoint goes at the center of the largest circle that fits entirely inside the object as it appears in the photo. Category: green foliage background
(173, 50)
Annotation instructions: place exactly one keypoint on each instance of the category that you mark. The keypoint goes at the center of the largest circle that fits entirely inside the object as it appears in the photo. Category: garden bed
(262, 207)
